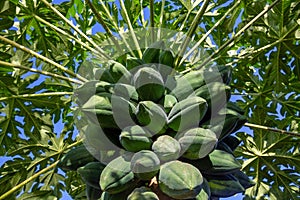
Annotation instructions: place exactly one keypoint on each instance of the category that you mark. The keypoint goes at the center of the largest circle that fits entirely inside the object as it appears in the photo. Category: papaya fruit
(152, 53)
(126, 91)
(145, 164)
(196, 143)
(217, 162)
(75, 158)
(166, 148)
(92, 193)
(149, 84)
(215, 93)
(90, 173)
(180, 180)
(135, 138)
(152, 116)
(224, 186)
(142, 193)
(187, 113)
(168, 101)
(133, 62)
(117, 176)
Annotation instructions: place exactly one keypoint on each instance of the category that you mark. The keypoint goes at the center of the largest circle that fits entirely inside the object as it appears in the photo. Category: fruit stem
(131, 29)
(191, 32)
(209, 32)
(152, 20)
(101, 21)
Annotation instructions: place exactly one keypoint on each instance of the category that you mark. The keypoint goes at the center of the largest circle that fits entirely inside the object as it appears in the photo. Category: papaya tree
(134, 99)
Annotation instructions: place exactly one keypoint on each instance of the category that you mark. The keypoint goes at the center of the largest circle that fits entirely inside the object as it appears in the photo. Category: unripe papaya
(232, 141)
(243, 179)
(152, 116)
(196, 143)
(167, 57)
(168, 101)
(142, 193)
(126, 91)
(151, 54)
(166, 148)
(100, 106)
(92, 193)
(75, 158)
(149, 84)
(135, 138)
(224, 186)
(187, 113)
(180, 180)
(119, 73)
(145, 164)
(133, 62)
(117, 176)
(217, 162)
(90, 173)
(215, 93)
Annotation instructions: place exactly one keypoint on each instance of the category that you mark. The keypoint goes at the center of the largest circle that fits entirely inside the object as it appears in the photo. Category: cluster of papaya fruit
(164, 135)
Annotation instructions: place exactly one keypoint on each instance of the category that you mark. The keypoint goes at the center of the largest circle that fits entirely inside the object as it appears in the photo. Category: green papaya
(98, 139)
(224, 186)
(197, 143)
(118, 196)
(106, 76)
(145, 164)
(205, 191)
(75, 158)
(187, 113)
(232, 141)
(119, 73)
(215, 93)
(243, 179)
(180, 180)
(126, 91)
(166, 148)
(166, 66)
(152, 116)
(142, 193)
(193, 80)
(226, 122)
(90, 173)
(123, 112)
(226, 73)
(186, 84)
(233, 122)
(135, 138)
(224, 147)
(133, 62)
(168, 101)
(167, 58)
(152, 53)
(149, 84)
(217, 162)
(86, 90)
(100, 106)
(117, 175)
(92, 193)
